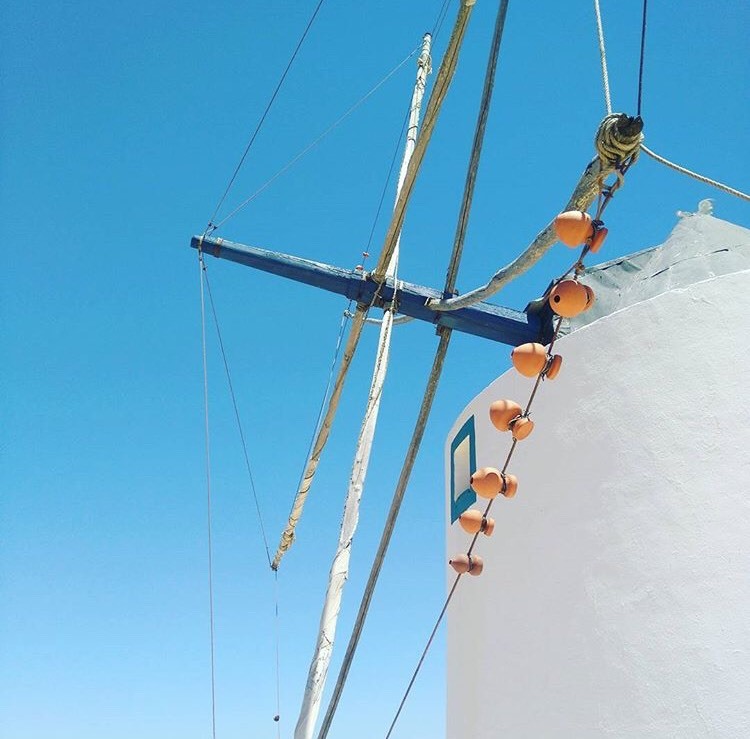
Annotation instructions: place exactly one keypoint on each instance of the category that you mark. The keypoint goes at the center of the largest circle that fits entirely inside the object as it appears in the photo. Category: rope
(204, 278)
(424, 654)
(430, 390)
(476, 150)
(237, 415)
(440, 18)
(603, 58)
(277, 631)
(210, 226)
(316, 141)
(643, 49)
(416, 439)
(443, 80)
(695, 175)
(386, 183)
(662, 160)
(442, 83)
(321, 437)
(469, 551)
(207, 435)
(616, 141)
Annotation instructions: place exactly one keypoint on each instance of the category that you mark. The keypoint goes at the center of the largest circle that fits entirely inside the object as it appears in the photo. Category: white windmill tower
(615, 593)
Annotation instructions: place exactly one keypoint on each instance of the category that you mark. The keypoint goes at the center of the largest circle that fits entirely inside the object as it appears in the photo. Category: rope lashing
(618, 136)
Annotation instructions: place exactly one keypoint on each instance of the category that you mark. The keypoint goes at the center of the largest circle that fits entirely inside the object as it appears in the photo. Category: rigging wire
(237, 415)
(440, 89)
(345, 316)
(643, 50)
(440, 18)
(603, 57)
(202, 269)
(387, 182)
(277, 630)
(316, 141)
(210, 226)
(432, 381)
(277, 638)
(701, 178)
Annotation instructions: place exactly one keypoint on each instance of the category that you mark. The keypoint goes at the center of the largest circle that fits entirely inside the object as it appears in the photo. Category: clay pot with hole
(521, 428)
(590, 297)
(487, 482)
(569, 298)
(573, 227)
(509, 486)
(529, 359)
(596, 241)
(471, 563)
(502, 412)
(553, 367)
(474, 522)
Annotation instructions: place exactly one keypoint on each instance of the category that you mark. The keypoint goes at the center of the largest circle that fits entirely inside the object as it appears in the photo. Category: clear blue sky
(121, 125)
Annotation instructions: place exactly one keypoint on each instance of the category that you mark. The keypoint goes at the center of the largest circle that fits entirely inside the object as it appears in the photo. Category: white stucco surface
(615, 598)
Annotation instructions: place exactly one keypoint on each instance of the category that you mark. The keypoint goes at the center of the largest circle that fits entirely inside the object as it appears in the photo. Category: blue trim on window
(464, 497)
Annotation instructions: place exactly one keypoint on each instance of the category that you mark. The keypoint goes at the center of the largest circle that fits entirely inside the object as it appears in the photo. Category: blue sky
(121, 126)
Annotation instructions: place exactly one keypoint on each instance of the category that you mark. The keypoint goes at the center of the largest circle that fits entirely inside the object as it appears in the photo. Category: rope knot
(618, 138)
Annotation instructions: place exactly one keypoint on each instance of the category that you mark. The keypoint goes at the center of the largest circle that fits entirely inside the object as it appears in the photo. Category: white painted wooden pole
(340, 566)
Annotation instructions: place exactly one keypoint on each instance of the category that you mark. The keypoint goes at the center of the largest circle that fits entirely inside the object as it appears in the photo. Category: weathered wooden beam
(489, 321)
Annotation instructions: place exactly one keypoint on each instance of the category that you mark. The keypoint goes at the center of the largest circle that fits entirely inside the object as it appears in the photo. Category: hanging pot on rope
(502, 412)
(529, 359)
(596, 239)
(573, 227)
(521, 427)
(568, 298)
(475, 522)
(487, 482)
(471, 563)
(510, 484)
(552, 369)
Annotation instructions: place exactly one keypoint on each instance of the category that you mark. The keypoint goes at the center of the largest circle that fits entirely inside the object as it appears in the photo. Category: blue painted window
(463, 466)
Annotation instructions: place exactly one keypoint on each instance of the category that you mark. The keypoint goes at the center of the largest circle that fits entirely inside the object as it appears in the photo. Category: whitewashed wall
(615, 600)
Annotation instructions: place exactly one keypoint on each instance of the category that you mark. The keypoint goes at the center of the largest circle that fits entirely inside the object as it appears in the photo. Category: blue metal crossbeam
(482, 319)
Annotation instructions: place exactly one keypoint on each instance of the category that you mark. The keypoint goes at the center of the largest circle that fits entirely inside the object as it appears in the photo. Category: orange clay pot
(474, 522)
(510, 485)
(471, 563)
(573, 227)
(553, 367)
(569, 298)
(487, 482)
(596, 241)
(521, 428)
(529, 359)
(502, 412)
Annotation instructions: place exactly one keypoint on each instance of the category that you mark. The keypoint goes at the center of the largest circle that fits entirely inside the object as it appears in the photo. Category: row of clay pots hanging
(567, 298)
